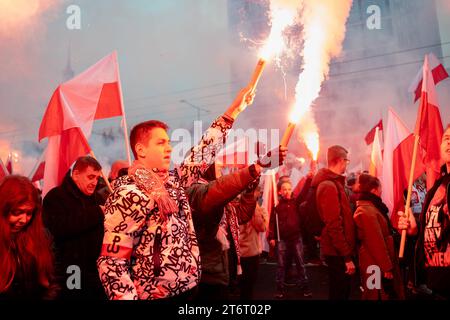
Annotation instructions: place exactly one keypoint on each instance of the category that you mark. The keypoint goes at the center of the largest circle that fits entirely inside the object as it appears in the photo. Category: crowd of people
(185, 234)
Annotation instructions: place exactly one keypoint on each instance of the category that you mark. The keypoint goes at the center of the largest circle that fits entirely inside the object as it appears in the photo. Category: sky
(172, 51)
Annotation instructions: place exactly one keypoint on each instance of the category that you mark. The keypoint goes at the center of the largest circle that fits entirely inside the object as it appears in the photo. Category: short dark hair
(141, 133)
(84, 162)
(367, 182)
(335, 154)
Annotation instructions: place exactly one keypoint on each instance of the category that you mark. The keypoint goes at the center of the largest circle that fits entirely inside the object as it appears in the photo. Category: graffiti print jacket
(143, 256)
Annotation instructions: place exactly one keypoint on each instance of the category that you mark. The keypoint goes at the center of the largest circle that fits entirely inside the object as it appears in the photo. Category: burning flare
(312, 143)
(323, 33)
(282, 15)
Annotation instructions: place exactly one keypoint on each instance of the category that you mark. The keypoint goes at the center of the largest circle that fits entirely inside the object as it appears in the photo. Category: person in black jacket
(73, 215)
(285, 227)
(26, 260)
(432, 257)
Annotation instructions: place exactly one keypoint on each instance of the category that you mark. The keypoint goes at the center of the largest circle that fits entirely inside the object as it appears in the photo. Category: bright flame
(323, 33)
(312, 143)
(282, 15)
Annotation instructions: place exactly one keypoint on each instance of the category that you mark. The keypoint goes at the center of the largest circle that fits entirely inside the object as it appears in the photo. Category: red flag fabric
(3, 171)
(9, 164)
(429, 126)
(438, 73)
(370, 136)
(38, 173)
(75, 104)
(397, 158)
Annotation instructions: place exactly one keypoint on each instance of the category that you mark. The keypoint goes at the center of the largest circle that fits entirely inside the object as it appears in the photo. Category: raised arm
(201, 156)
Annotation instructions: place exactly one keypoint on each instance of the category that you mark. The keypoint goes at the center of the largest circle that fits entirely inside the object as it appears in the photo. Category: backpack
(312, 223)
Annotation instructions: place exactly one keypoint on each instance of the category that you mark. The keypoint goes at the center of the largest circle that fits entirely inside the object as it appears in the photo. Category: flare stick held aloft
(287, 134)
(257, 74)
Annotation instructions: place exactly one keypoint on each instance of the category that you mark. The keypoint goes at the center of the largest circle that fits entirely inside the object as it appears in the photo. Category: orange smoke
(19, 16)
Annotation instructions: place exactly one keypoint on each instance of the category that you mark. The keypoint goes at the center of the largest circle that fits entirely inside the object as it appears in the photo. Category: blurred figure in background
(251, 247)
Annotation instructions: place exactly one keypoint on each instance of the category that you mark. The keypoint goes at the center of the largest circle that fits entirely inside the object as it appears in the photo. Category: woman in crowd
(26, 263)
(376, 244)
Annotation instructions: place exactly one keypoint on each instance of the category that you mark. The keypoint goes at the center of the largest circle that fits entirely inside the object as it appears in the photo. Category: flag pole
(124, 119)
(408, 197)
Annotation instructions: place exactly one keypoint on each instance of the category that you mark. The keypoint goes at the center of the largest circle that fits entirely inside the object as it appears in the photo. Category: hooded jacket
(338, 235)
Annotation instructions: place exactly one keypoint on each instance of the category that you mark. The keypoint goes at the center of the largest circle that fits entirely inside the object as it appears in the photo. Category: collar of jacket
(284, 200)
(70, 185)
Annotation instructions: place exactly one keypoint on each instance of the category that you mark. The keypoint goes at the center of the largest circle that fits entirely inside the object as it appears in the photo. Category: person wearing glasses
(337, 238)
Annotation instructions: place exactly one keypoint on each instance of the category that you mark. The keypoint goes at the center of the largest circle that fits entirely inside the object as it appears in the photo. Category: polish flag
(438, 71)
(429, 126)
(397, 158)
(371, 134)
(67, 123)
(376, 157)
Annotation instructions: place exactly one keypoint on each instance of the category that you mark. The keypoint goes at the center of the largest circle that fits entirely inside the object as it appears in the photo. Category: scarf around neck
(379, 204)
(153, 182)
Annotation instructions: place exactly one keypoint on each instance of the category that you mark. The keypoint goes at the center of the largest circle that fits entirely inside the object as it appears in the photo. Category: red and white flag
(3, 171)
(429, 126)
(270, 201)
(67, 123)
(37, 173)
(234, 154)
(438, 71)
(371, 134)
(376, 157)
(397, 158)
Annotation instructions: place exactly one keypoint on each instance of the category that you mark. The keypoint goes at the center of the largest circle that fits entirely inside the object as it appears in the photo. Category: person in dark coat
(217, 216)
(432, 258)
(337, 239)
(376, 243)
(73, 215)
(26, 259)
